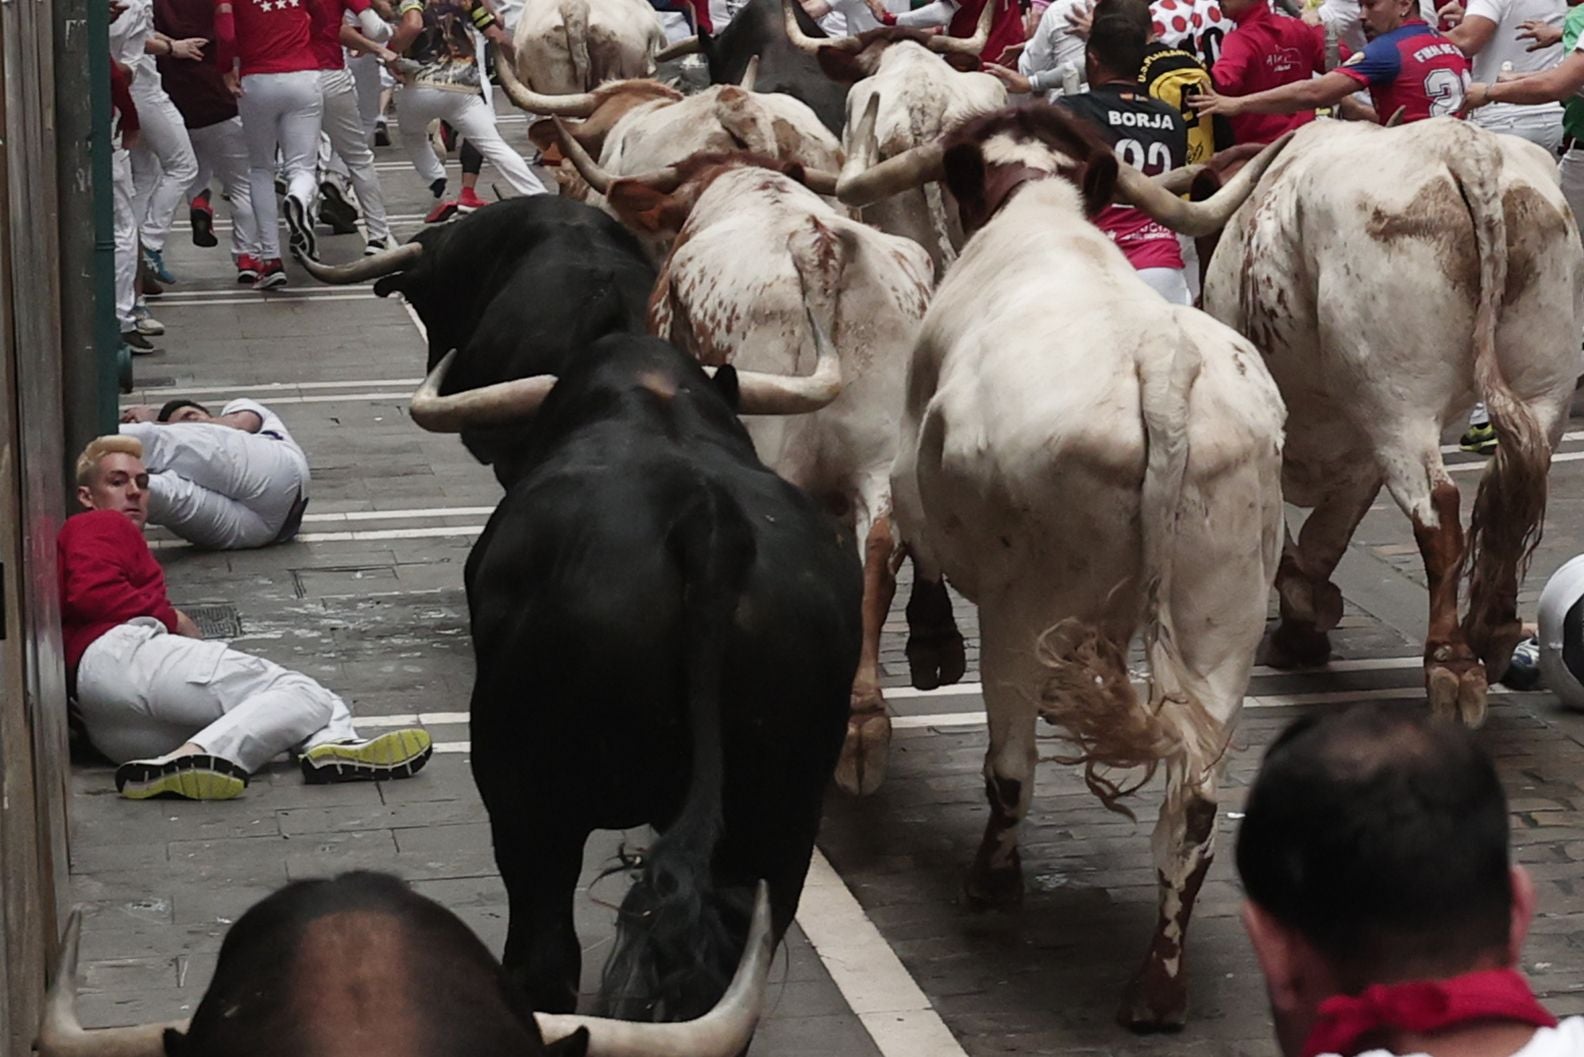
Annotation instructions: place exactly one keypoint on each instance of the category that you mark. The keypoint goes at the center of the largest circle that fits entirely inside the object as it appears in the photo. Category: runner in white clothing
(1491, 33)
(1383, 905)
(230, 482)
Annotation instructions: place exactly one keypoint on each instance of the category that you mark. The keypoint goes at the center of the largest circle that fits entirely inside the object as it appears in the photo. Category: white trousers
(163, 165)
(222, 151)
(1170, 283)
(143, 692)
(473, 120)
(126, 238)
(366, 78)
(279, 110)
(343, 126)
(1541, 126)
(217, 486)
(1572, 173)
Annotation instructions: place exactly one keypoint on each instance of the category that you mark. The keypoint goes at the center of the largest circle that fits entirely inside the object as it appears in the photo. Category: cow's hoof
(1154, 1001)
(1457, 690)
(1296, 645)
(994, 887)
(862, 766)
(935, 658)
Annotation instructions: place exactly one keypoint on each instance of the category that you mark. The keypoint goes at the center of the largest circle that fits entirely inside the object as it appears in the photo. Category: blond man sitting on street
(181, 716)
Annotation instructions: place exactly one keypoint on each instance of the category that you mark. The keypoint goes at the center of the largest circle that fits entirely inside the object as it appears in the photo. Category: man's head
(111, 476)
(1374, 850)
(1117, 38)
(184, 411)
(1383, 16)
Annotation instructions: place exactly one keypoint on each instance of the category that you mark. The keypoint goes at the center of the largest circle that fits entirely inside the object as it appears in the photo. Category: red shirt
(1413, 67)
(195, 87)
(1267, 50)
(1006, 29)
(269, 36)
(108, 575)
(122, 108)
(326, 37)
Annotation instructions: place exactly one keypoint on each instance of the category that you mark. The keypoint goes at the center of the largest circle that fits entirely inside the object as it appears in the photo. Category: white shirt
(1506, 52)
(1053, 46)
(272, 422)
(1564, 1040)
(127, 37)
(1346, 20)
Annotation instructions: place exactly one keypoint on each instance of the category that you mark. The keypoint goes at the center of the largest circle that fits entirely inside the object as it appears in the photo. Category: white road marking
(177, 296)
(297, 298)
(1453, 449)
(254, 388)
(358, 535)
(401, 515)
(1466, 467)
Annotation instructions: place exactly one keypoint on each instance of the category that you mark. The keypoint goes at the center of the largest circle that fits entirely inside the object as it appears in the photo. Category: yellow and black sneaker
(197, 776)
(397, 754)
(1479, 440)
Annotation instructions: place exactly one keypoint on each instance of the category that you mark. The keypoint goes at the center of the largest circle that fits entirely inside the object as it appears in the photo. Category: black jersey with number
(1146, 133)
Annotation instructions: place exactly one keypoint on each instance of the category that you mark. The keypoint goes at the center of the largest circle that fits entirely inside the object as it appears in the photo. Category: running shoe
(1523, 673)
(397, 754)
(146, 324)
(469, 200)
(148, 286)
(335, 211)
(201, 214)
(381, 134)
(373, 246)
(198, 776)
(438, 187)
(155, 259)
(302, 241)
(272, 273)
(442, 211)
(139, 345)
(1480, 439)
(248, 268)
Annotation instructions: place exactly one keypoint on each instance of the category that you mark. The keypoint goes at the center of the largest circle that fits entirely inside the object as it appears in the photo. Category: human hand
(140, 413)
(1311, 16)
(186, 627)
(1011, 53)
(1014, 81)
(117, 8)
(233, 83)
(1542, 33)
(1208, 102)
(1079, 19)
(1477, 96)
(190, 48)
(877, 8)
(1451, 13)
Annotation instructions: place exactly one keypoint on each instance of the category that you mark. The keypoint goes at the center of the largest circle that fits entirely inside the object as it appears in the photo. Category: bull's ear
(542, 134)
(1099, 181)
(574, 1045)
(641, 206)
(965, 174)
(725, 382)
(1204, 186)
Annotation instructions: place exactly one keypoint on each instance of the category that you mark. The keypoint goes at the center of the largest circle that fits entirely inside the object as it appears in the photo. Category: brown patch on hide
(1437, 215)
(350, 976)
(1530, 218)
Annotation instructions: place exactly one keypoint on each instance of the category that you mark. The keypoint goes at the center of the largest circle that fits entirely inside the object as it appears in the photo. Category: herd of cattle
(676, 613)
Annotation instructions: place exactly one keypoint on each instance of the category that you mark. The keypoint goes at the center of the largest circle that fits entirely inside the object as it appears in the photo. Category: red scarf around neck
(1422, 1006)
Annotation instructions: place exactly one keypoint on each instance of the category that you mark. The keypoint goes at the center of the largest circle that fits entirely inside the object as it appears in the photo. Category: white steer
(577, 45)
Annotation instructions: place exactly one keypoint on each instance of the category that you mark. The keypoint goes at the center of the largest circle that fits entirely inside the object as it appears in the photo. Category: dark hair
(172, 406)
(1381, 836)
(1117, 39)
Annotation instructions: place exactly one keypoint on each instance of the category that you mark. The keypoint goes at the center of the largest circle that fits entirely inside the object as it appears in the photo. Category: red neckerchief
(1422, 1006)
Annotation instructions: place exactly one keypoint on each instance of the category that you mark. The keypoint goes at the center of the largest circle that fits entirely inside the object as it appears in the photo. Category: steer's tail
(574, 22)
(1087, 691)
(1509, 508)
(678, 938)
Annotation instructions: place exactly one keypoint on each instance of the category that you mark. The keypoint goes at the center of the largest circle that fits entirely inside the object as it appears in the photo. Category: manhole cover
(216, 622)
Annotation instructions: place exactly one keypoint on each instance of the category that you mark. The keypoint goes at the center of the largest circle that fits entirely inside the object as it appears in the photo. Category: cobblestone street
(369, 600)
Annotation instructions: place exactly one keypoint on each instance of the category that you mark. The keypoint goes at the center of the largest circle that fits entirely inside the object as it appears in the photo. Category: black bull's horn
(373, 266)
(722, 1032)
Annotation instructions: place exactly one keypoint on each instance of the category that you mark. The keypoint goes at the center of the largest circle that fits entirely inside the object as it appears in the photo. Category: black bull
(760, 29)
(665, 631)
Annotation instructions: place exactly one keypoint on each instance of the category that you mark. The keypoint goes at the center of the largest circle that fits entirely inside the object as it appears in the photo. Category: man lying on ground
(1383, 904)
(227, 481)
(181, 716)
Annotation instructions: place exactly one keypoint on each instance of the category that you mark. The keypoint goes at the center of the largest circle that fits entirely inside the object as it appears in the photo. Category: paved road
(370, 601)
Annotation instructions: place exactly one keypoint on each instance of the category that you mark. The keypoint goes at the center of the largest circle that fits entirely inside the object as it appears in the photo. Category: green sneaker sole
(196, 777)
(397, 754)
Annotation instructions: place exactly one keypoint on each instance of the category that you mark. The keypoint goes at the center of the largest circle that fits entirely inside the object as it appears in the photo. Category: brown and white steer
(577, 45)
(924, 98)
(1089, 463)
(754, 246)
(1391, 277)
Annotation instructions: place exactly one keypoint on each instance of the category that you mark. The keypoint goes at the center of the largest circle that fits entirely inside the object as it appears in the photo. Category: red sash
(1423, 1006)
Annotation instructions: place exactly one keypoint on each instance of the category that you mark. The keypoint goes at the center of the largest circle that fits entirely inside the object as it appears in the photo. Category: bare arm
(407, 31)
(1547, 86)
(355, 41)
(246, 421)
(816, 9)
(1289, 98)
(1472, 34)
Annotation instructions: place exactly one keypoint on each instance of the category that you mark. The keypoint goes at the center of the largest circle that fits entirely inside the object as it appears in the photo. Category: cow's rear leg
(1010, 668)
(934, 646)
(862, 766)
(540, 871)
(1454, 676)
(1311, 605)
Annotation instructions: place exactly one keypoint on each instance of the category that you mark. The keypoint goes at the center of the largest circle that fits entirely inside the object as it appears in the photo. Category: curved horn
(490, 405)
(722, 1032)
(759, 393)
(373, 266)
(820, 181)
(795, 35)
(750, 75)
(587, 167)
(61, 1034)
(911, 168)
(1195, 218)
(1397, 117)
(686, 46)
(1179, 181)
(973, 45)
(578, 104)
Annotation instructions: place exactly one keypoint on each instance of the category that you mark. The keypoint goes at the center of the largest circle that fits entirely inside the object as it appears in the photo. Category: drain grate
(216, 622)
